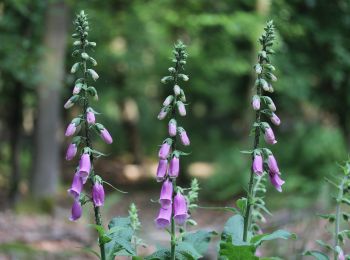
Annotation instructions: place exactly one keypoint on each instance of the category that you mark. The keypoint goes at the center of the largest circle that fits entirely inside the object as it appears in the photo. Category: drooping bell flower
(180, 209)
(76, 187)
(163, 112)
(71, 151)
(84, 167)
(98, 194)
(276, 181)
(341, 255)
(168, 100)
(258, 164)
(164, 217)
(70, 129)
(161, 170)
(165, 149)
(174, 167)
(172, 127)
(90, 117)
(181, 108)
(106, 137)
(76, 210)
(256, 102)
(166, 194)
(184, 137)
(275, 119)
(177, 90)
(273, 166)
(269, 136)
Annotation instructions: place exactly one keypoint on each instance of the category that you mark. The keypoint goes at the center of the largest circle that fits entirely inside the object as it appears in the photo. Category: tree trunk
(47, 158)
(15, 141)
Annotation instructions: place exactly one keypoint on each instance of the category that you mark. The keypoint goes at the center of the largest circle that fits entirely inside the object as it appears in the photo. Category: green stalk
(337, 214)
(97, 212)
(250, 192)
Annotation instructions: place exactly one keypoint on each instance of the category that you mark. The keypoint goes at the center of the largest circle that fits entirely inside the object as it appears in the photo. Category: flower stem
(97, 212)
(337, 214)
(250, 192)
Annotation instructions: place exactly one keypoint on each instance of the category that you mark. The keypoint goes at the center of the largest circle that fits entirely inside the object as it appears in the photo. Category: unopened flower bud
(164, 150)
(163, 113)
(98, 194)
(174, 167)
(258, 164)
(177, 90)
(93, 74)
(161, 170)
(106, 137)
(183, 136)
(90, 117)
(76, 89)
(71, 129)
(275, 119)
(71, 151)
(269, 136)
(258, 68)
(168, 100)
(181, 108)
(172, 127)
(256, 102)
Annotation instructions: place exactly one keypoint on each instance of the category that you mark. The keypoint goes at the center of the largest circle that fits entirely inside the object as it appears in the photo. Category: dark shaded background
(134, 41)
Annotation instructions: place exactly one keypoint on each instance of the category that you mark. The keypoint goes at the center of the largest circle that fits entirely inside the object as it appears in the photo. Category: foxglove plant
(175, 202)
(339, 218)
(83, 127)
(241, 229)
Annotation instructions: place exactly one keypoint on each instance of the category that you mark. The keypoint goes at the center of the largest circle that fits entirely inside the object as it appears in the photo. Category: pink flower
(275, 119)
(76, 211)
(164, 217)
(174, 167)
(98, 194)
(276, 181)
(166, 194)
(106, 137)
(258, 164)
(84, 167)
(180, 209)
(71, 151)
(164, 150)
(70, 129)
(269, 136)
(90, 117)
(272, 163)
(161, 170)
(76, 187)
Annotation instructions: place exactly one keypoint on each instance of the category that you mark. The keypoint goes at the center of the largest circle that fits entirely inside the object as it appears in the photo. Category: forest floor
(35, 236)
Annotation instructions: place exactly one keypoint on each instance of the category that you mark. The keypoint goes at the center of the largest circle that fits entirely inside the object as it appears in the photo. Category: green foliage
(232, 246)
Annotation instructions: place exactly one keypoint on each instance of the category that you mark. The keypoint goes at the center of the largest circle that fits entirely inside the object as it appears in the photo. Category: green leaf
(329, 217)
(161, 254)
(90, 251)
(187, 250)
(228, 251)
(199, 240)
(258, 239)
(317, 254)
(234, 229)
(321, 243)
(346, 201)
(120, 232)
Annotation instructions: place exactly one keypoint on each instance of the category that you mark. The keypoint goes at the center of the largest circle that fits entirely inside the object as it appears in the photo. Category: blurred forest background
(134, 41)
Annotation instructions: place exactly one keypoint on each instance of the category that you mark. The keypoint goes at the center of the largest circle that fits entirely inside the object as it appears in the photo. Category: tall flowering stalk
(242, 236)
(82, 128)
(339, 217)
(262, 158)
(173, 204)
